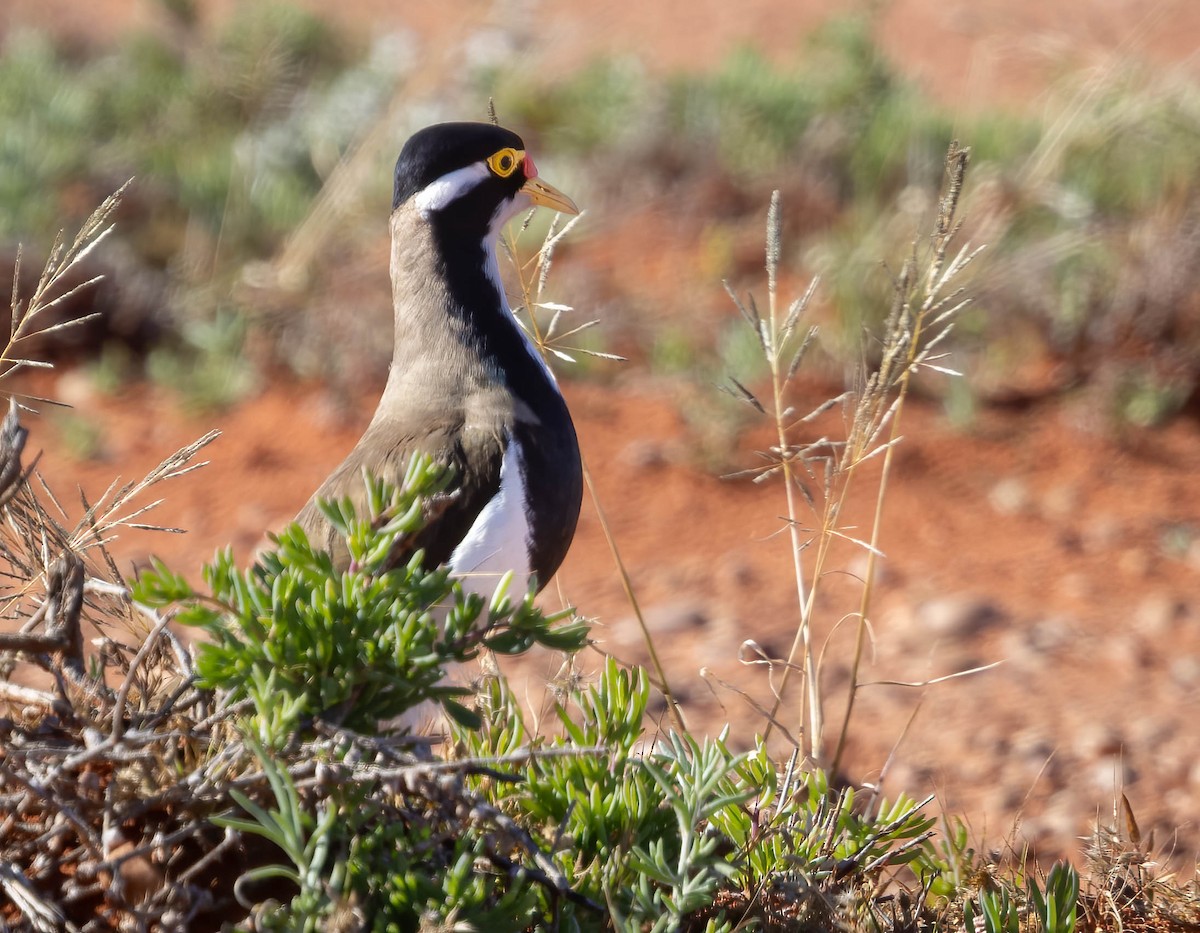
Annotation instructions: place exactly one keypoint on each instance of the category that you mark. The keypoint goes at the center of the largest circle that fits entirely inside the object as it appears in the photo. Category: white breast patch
(498, 541)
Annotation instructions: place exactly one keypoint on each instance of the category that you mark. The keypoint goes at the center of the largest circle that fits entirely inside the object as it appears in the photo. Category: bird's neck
(453, 325)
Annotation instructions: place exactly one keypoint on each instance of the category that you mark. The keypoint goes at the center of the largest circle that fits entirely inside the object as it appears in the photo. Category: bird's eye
(505, 162)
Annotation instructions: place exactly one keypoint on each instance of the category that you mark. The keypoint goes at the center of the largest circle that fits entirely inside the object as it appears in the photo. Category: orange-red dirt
(1071, 556)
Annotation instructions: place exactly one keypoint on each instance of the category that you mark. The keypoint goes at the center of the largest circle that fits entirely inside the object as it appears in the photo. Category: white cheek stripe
(451, 186)
(498, 541)
(440, 193)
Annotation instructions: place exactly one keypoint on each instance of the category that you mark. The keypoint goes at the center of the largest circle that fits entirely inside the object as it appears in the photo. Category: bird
(466, 385)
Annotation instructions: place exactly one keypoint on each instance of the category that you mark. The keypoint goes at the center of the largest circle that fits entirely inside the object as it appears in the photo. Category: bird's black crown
(432, 152)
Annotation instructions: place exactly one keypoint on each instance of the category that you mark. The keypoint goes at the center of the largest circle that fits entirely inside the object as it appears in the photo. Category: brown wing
(474, 454)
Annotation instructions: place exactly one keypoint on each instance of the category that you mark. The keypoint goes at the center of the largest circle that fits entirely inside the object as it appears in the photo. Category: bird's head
(471, 175)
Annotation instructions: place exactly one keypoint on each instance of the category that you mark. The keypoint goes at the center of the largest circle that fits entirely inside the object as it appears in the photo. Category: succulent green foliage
(657, 832)
(675, 879)
(604, 802)
(796, 823)
(1055, 910)
(304, 838)
(354, 647)
(999, 912)
(400, 866)
(629, 823)
(407, 872)
(946, 864)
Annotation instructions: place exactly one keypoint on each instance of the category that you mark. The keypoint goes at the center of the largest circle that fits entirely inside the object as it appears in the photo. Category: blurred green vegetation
(229, 138)
(200, 124)
(1090, 207)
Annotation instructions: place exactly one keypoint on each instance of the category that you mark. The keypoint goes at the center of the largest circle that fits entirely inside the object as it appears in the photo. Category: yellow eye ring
(505, 162)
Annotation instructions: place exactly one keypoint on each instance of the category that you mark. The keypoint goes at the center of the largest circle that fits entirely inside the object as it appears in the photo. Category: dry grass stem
(26, 317)
(919, 320)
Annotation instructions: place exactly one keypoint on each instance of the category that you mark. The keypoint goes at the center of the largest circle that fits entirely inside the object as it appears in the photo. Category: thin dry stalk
(663, 685)
(27, 316)
(924, 309)
(921, 317)
(542, 318)
(777, 336)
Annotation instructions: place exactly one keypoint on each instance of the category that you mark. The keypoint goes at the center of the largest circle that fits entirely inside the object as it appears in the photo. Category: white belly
(498, 541)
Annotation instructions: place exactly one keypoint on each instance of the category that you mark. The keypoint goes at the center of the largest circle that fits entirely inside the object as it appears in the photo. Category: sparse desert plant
(207, 369)
(1001, 907)
(925, 302)
(230, 137)
(179, 121)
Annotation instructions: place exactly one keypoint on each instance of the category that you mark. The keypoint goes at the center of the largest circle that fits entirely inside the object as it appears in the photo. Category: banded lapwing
(466, 385)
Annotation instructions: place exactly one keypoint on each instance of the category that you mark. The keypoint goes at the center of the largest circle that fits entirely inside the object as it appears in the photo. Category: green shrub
(358, 647)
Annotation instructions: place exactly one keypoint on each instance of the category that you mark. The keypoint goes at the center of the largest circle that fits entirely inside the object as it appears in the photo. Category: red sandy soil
(1067, 554)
